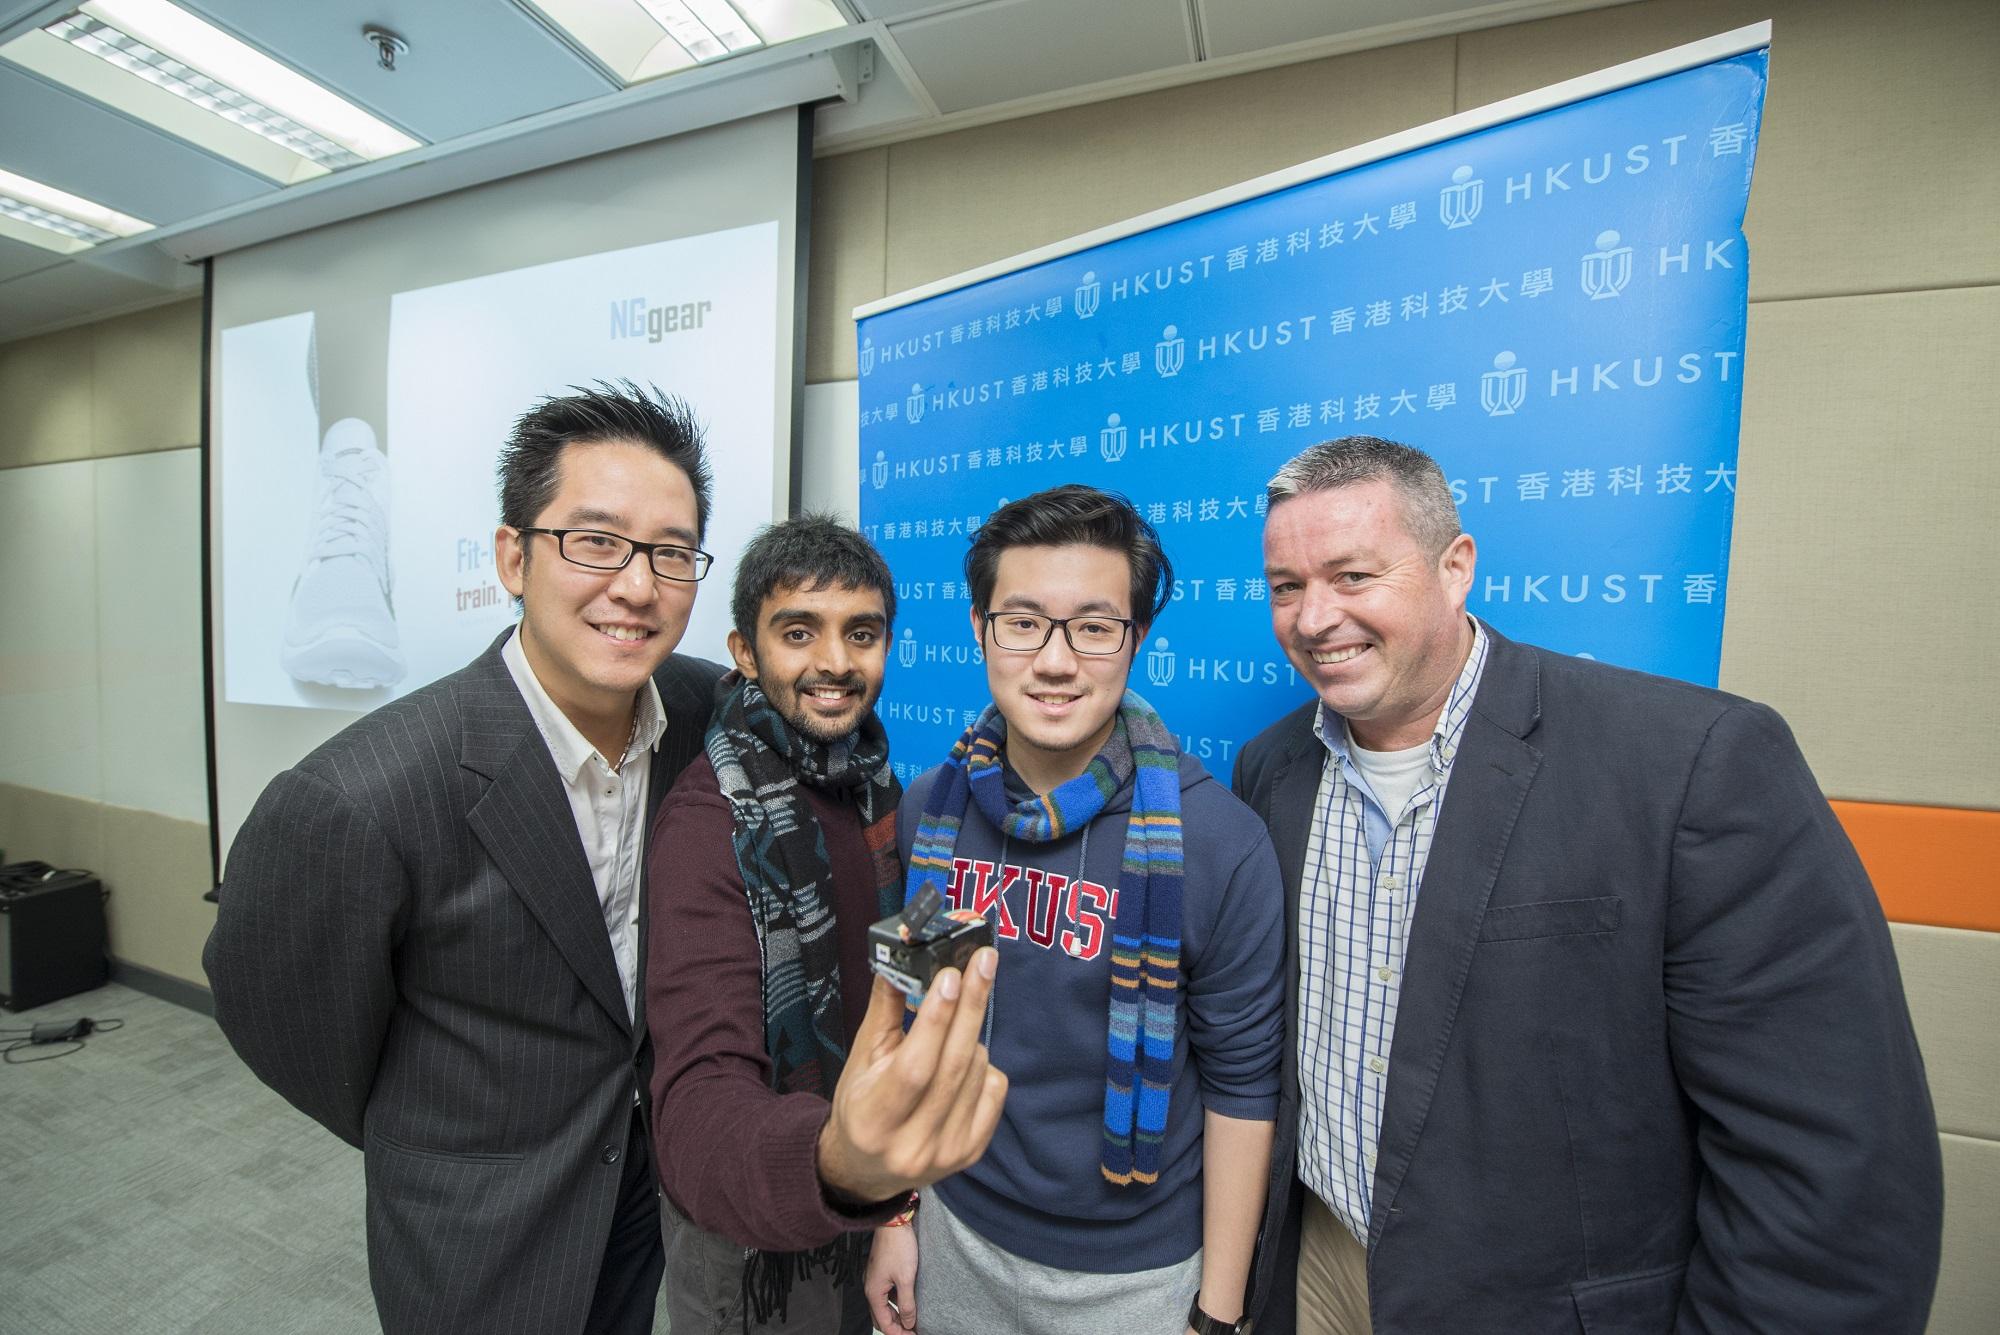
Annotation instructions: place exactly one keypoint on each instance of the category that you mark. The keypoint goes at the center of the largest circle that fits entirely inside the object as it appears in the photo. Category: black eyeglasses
(614, 551)
(1027, 632)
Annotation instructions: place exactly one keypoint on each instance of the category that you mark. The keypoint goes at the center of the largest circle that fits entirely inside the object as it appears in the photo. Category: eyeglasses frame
(1061, 623)
(706, 562)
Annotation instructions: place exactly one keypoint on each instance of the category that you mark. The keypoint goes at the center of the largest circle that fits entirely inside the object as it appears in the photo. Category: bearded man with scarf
(791, 1112)
(1137, 908)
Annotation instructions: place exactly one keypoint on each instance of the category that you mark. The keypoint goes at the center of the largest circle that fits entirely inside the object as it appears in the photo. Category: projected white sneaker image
(340, 628)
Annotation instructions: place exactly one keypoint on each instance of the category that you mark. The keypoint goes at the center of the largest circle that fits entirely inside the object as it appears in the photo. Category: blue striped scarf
(1146, 963)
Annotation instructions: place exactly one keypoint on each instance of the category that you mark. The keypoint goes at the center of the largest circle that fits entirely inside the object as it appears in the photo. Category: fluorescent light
(682, 25)
(729, 26)
(172, 49)
(83, 234)
(108, 85)
(79, 221)
(163, 71)
(639, 40)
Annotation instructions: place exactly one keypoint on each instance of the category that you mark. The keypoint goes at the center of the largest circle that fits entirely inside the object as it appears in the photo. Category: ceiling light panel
(247, 107)
(53, 222)
(644, 39)
(730, 27)
(690, 32)
(191, 85)
(168, 28)
(75, 70)
(57, 220)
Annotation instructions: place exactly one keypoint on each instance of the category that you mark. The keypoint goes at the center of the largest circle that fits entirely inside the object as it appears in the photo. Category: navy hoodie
(1038, 1192)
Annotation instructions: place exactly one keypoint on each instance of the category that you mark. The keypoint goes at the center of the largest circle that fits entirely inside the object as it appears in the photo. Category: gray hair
(1428, 510)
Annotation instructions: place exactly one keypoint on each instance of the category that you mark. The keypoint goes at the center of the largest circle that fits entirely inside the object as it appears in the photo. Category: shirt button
(1450, 752)
(610, 1154)
(1375, 1064)
(1383, 973)
(1392, 883)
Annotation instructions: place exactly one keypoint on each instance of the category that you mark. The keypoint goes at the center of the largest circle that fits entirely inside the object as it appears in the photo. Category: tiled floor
(149, 1183)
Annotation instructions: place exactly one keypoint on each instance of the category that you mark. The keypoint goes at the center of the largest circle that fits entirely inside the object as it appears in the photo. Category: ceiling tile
(18, 257)
(472, 64)
(68, 292)
(75, 144)
(1009, 49)
(897, 10)
(17, 11)
(1235, 27)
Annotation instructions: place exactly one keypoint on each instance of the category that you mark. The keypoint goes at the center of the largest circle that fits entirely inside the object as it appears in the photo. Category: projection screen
(364, 374)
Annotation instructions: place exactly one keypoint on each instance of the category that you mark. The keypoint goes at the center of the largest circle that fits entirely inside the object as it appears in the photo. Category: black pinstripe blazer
(410, 949)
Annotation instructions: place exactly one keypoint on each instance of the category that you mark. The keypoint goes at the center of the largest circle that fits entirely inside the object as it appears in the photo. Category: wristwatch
(1203, 1324)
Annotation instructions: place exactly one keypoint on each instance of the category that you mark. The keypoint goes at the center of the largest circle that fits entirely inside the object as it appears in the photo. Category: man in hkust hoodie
(1137, 909)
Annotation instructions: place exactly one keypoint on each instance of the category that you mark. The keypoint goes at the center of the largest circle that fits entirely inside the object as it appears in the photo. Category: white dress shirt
(608, 802)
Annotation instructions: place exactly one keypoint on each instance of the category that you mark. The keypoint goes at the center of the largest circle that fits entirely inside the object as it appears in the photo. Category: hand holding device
(913, 1107)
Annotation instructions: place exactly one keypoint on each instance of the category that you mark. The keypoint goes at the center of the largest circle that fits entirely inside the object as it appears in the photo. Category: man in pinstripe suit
(429, 936)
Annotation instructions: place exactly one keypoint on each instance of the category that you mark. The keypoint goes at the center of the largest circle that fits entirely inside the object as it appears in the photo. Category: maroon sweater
(736, 1156)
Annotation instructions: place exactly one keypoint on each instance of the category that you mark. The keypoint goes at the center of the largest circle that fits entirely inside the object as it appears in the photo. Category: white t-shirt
(1393, 776)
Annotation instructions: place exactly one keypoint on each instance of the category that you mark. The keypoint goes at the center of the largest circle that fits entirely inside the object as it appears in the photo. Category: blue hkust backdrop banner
(1554, 307)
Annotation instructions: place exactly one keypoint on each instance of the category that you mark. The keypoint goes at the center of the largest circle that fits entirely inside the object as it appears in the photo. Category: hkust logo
(1088, 293)
(1160, 663)
(1459, 203)
(1503, 389)
(1607, 269)
(913, 407)
(879, 474)
(1111, 439)
(1170, 353)
(909, 651)
(867, 355)
(636, 317)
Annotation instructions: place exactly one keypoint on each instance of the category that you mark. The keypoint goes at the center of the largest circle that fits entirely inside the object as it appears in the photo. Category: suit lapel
(1292, 810)
(1489, 782)
(525, 824)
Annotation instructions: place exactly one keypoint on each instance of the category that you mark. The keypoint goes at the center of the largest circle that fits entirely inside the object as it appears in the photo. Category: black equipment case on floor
(51, 934)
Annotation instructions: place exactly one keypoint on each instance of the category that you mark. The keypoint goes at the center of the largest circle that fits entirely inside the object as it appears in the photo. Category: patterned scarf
(760, 762)
(1145, 963)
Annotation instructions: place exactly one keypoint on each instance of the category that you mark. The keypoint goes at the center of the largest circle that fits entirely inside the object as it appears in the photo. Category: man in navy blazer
(1595, 1023)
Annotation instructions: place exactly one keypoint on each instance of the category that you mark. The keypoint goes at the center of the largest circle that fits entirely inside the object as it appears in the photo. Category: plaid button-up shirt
(1362, 871)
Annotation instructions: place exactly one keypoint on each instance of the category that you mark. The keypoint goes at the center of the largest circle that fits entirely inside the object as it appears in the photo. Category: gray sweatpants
(704, 1289)
(968, 1286)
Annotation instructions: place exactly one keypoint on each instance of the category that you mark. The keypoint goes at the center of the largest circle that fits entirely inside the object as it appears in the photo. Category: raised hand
(913, 1107)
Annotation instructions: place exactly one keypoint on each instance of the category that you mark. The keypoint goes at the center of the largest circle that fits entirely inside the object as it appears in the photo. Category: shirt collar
(1332, 728)
(566, 744)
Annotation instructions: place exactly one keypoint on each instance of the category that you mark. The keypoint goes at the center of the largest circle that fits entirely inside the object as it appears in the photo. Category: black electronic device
(909, 948)
(52, 939)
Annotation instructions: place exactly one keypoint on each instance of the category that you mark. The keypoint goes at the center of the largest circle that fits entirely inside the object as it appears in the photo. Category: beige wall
(100, 661)
(155, 867)
(121, 386)
(1867, 485)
